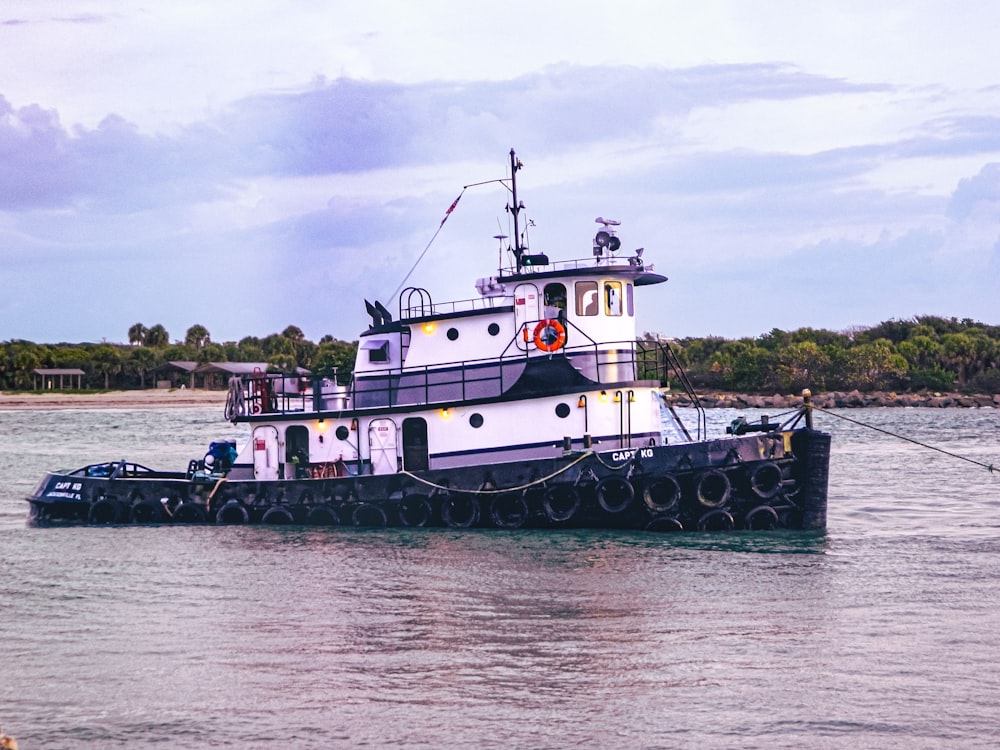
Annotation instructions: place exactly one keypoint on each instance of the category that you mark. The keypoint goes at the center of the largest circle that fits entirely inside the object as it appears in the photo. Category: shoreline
(155, 398)
(837, 400)
(149, 398)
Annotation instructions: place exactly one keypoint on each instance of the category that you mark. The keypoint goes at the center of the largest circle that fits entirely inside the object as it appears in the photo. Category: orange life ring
(550, 335)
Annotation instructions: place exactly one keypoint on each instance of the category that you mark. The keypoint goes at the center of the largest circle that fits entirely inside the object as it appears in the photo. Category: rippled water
(880, 633)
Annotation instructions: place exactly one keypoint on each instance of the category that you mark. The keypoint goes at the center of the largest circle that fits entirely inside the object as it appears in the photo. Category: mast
(515, 209)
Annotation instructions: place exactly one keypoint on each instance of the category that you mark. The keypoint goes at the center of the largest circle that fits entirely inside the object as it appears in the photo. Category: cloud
(314, 198)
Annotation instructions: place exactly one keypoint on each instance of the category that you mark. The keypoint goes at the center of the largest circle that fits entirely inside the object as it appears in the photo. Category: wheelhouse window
(378, 351)
(554, 298)
(586, 298)
(612, 298)
(629, 304)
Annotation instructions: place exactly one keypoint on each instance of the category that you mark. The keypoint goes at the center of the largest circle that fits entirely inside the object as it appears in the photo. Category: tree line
(120, 366)
(923, 353)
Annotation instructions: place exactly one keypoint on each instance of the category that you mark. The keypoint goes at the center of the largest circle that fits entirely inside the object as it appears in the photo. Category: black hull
(754, 482)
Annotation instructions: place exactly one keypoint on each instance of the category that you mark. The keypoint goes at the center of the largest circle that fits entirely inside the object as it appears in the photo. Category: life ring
(614, 494)
(550, 335)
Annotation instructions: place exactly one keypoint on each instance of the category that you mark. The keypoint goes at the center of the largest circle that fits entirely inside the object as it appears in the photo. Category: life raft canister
(550, 335)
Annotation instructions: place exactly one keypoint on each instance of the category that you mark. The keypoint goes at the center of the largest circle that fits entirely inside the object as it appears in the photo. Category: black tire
(662, 495)
(368, 514)
(233, 512)
(712, 488)
(190, 512)
(561, 502)
(415, 510)
(460, 511)
(104, 511)
(323, 515)
(716, 520)
(146, 511)
(664, 524)
(615, 494)
(765, 479)
(278, 515)
(509, 510)
(761, 518)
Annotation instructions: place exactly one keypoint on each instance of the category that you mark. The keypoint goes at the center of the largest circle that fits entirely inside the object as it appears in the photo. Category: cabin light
(428, 328)
(582, 403)
(631, 397)
(445, 414)
(321, 424)
(354, 425)
(618, 397)
(604, 395)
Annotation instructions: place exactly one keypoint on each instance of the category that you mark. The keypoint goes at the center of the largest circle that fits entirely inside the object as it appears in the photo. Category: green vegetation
(123, 366)
(925, 353)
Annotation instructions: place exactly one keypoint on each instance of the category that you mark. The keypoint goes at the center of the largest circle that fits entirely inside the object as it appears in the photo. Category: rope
(522, 487)
(428, 246)
(989, 467)
(214, 490)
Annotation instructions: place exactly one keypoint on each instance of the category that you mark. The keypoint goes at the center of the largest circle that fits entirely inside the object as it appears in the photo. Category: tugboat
(530, 405)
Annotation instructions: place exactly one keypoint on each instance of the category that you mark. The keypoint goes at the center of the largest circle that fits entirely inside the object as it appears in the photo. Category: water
(880, 633)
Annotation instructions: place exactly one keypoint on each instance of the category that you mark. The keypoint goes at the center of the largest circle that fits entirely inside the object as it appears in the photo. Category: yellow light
(618, 397)
(321, 425)
(582, 403)
(604, 395)
(428, 328)
(445, 414)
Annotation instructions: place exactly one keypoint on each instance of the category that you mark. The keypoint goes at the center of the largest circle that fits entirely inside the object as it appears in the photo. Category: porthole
(342, 432)
(452, 334)
(494, 329)
(476, 420)
(562, 410)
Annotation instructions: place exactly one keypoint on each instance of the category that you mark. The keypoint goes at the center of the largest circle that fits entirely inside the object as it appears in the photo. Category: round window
(562, 410)
(452, 334)
(494, 329)
(342, 433)
(476, 420)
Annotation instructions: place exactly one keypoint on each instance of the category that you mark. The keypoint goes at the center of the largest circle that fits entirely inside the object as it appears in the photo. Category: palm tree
(197, 336)
(137, 334)
(157, 336)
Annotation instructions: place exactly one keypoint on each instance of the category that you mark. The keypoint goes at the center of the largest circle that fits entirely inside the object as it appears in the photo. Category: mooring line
(500, 491)
(989, 467)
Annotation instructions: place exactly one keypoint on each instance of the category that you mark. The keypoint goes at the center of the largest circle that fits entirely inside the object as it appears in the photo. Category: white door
(526, 312)
(382, 446)
(265, 453)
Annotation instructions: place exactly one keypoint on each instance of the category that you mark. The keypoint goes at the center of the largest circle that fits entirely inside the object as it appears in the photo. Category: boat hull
(752, 482)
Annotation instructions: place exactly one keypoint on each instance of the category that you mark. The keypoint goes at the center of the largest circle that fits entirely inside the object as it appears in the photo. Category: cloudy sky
(256, 164)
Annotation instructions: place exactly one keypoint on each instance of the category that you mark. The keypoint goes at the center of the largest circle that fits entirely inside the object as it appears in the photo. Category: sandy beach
(138, 399)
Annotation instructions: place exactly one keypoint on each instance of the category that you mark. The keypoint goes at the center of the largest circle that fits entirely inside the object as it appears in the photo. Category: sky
(252, 165)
